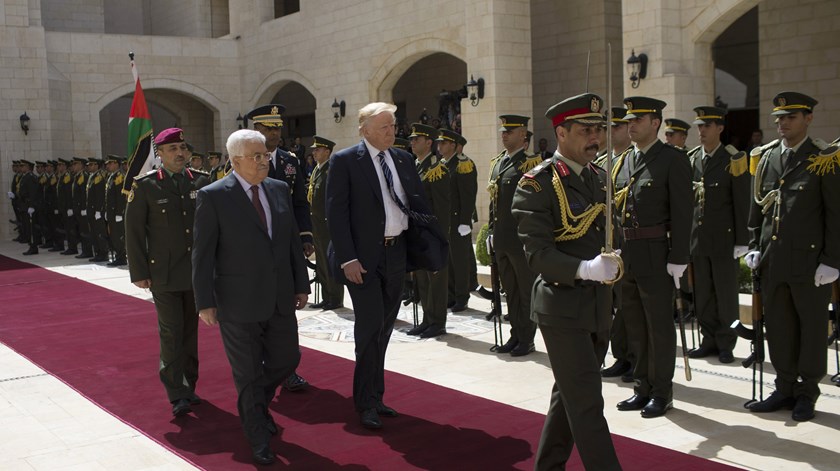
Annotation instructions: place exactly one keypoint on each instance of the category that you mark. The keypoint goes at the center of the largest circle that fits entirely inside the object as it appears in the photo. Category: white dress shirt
(396, 221)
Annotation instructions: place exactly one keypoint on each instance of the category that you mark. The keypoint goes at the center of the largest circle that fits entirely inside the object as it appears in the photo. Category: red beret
(168, 136)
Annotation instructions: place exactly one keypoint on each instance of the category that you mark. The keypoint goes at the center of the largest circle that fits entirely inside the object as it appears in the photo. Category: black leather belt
(391, 241)
(649, 232)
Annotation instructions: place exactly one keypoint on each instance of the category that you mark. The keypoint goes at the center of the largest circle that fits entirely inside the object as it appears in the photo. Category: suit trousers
(98, 235)
(618, 337)
(460, 251)
(84, 232)
(178, 330)
(576, 412)
(518, 279)
(376, 303)
(261, 355)
(432, 286)
(71, 228)
(716, 300)
(646, 302)
(796, 316)
(116, 233)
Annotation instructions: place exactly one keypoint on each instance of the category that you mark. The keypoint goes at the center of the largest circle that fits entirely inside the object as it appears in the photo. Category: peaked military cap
(169, 136)
(112, 158)
(65, 161)
(267, 115)
(94, 160)
(40, 162)
(673, 124)
(25, 162)
(618, 114)
(401, 143)
(51, 163)
(708, 114)
(462, 140)
(423, 130)
(513, 121)
(582, 109)
(791, 102)
(80, 159)
(319, 141)
(197, 155)
(214, 155)
(638, 106)
(449, 135)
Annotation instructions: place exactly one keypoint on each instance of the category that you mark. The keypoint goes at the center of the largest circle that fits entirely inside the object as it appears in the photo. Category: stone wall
(82, 16)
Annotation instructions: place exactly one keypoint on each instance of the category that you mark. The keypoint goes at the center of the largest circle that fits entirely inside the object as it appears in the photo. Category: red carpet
(104, 345)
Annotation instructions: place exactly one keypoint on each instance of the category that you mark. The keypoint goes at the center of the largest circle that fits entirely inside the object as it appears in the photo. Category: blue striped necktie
(389, 179)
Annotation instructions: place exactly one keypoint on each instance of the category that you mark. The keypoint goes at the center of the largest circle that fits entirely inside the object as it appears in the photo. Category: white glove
(84, 212)
(676, 271)
(464, 229)
(489, 242)
(599, 268)
(739, 251)
(55, 211)
(31, 211)
(118, 218)
(69, 212)
(825, 275)
(752, 259)
(97, 215)
(11, 195)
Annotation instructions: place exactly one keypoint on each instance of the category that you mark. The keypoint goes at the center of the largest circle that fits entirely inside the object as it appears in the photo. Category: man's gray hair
(237, 141)
(374, 109)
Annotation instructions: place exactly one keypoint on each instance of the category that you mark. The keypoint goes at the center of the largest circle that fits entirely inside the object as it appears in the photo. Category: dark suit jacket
(288, 169)
(355, 210)
(237, 267)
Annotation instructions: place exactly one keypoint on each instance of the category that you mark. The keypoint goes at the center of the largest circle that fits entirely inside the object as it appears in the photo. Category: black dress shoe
(657, 407)
(263, 455)
(485, 293)
(99, 259)
(450, 304)
(725, 356)
(384, 411)
(522, 349)
(617, 369)
(318, 305)
(509, 346)
(701, 352)
(432, 331)
(294, 383)
(773, 403)
(370, 419)
(458, 307)
(56, 249)
(181, 407)
(331, 306)
(118, 263)
(194, 399)
(418, 329)
(70, 252)
(33, 250)
(84, 255)
(628, 376)
(803, 411)
(635, 402)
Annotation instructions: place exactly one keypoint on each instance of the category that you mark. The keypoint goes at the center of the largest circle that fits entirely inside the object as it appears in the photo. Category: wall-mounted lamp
(339, 109)
(637, 67)
(240, 121)
(475, 90)
(24, 122)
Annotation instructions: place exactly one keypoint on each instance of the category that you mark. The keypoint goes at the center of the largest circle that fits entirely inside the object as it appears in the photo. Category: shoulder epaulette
(675, 147)
(738, 161)
(694, 150)
(758, 152)
(732, 150)
(200, 172)
(536, 170)
(436, 173)
(826, 162)
(530, 163)
(836, 141)
(465, 166)
(820, 144)
(501, 154)
(145, 175)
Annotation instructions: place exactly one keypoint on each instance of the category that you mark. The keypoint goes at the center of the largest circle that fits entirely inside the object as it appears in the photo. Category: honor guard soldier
(29, 200)
(49, 218)
(403, 144)
(435, 178)
(197, 161)
(64, 203)
(217, 168)
(332, 291)
(471, 263)
(560, 210)
(795, 250)
(718, 234)
(13, 197)
(517, 278)
(158, 238)
(463, 186)
(653, 195)
(96, 210)
(79, 192)
(284, 166)
(618, 133)
(115, 209)
(676, 132)
(40, 222)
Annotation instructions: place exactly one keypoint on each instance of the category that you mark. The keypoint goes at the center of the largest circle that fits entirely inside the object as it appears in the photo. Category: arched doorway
(431, 89)
(168, 108)
(299, 118)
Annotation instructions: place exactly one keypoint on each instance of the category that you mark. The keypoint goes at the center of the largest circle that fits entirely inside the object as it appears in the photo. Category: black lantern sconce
(241, 122)
(637, 67)
(24, 123)
(339, 109)
(475, 90)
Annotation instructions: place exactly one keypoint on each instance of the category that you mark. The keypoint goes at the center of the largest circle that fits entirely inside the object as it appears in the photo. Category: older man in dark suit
(373, 192)
(249, 276)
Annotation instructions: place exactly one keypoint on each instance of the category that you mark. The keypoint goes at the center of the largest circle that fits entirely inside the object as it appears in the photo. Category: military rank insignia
(530, 183)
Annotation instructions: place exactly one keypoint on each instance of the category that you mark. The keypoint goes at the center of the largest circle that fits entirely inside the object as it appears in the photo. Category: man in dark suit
(795, 248)
(653, 192)
(159, 240)
(718, 234)
(571, 304)
(371, 190)
(332, 291)
(249, 276)
(29, 201)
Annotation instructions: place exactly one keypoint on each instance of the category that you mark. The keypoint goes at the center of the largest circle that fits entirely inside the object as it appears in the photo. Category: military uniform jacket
(217, 173)
(435, 178)
(96, 193)
(464, 187)
(721, 201)
(288, 169)
(317, 196)
(50, 188)
(658, 194)
(807, 231)
(16, 191)
(29, 192)
(557, 297)
(158, 230)
(114, 199)
(64, 193)
(80, 193)
(504, 176)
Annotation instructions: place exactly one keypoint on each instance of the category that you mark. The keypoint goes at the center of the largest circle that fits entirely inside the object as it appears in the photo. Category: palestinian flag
(141, 153)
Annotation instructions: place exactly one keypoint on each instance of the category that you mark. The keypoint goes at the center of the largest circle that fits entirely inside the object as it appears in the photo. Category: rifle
(756, 336)
(681, 314)
(496, 299)
(412, 296)
(835, 328)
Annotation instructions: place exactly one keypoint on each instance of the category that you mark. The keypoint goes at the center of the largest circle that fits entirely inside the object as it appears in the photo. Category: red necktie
(255, 199)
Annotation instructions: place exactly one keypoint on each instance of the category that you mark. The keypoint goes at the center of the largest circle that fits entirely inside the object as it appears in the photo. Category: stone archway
(431, 89)
(383, 80)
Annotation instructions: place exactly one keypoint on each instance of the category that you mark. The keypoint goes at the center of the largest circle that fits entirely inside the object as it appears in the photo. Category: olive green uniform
(80, 211)
(463, 190)
(115, 212)
(158, 235)
(96, 214)
(333, 292)
(433, 286)
(30, 196)
(64, 202)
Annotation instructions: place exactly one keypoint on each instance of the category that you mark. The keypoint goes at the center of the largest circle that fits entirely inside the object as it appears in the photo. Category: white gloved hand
(55, 211)
(599, 268)
(31, 211)
(464, 229)
(69, 212)
(97, 215)
(118, 218)
(489, 242)
(84, 212)
(676, 271)
(739, 251)
(825, 275)
(11, 195)
(752, 259)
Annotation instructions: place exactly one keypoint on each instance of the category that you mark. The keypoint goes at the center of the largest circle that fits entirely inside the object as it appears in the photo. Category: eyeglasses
(259, 157)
